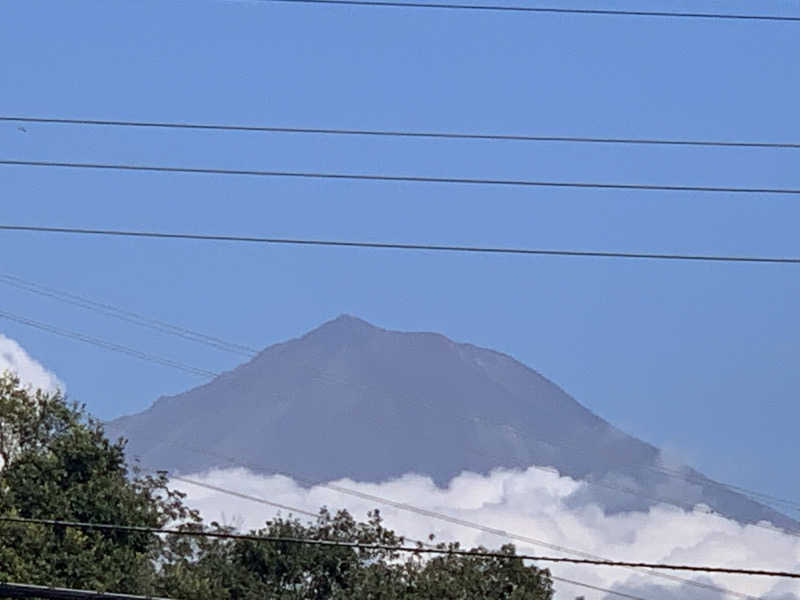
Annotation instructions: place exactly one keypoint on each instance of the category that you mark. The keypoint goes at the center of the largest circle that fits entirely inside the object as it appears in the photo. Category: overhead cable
(27, 590)
(243, 496)
(402, 246)
(107, 345)
(396, 548)
(127, 315)
(394, 133)
(588, 586)
(546, 9)
(399, 178)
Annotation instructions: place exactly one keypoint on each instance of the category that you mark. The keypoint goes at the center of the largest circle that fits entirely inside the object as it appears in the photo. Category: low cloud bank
(14, 358)
(537, 503)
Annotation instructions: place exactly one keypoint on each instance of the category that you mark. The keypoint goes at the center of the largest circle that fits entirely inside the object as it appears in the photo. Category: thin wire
(27, 590)
(403, 134)
(243, 496)
(596, 588)
(399, 178)
(107, 345)
(759, 496)
(401, 246)
(393, 548)
(126, 315)
(545, 9)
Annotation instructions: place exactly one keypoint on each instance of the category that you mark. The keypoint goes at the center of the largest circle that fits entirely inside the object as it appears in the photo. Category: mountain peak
(349, 399)
(351, 321)
(344, 324)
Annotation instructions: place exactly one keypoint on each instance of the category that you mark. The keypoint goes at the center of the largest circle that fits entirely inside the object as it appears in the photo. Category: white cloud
(539, 504)
(14, 358)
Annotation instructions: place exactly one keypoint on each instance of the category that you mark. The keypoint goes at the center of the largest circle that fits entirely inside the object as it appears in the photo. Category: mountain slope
(352, 400)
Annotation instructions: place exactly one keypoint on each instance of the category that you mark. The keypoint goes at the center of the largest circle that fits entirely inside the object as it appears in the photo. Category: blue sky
(700, 359)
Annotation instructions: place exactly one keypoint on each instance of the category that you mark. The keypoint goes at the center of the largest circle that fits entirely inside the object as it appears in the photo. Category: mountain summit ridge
(350, 399)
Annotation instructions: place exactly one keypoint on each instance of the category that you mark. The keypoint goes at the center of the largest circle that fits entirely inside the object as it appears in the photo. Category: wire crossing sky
(106, 345)
(398, 246)
(548, 9)
(407, 134)
(400, 178)
(423, 550)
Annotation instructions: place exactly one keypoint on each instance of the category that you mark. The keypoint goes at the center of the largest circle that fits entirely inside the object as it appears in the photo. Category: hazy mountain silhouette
(352, 400)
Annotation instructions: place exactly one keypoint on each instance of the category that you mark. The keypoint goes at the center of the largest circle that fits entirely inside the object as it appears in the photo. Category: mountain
(349, 399)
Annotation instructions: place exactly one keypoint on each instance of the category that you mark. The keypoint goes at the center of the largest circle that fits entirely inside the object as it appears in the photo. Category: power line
(401, 246)
(244, 496)
(23, 590)
(760, 496)
(399, 178)
(394, 548)
(545, 9)
(596, 588)
(405, 134)
(107, 345)
(126, 315)
(26, 590)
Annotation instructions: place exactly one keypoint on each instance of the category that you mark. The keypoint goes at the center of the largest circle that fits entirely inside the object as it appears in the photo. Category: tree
(250, 569)
(58, 464)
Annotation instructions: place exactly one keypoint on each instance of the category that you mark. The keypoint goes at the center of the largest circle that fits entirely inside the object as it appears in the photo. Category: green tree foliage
(56, 463)
(250, 570)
